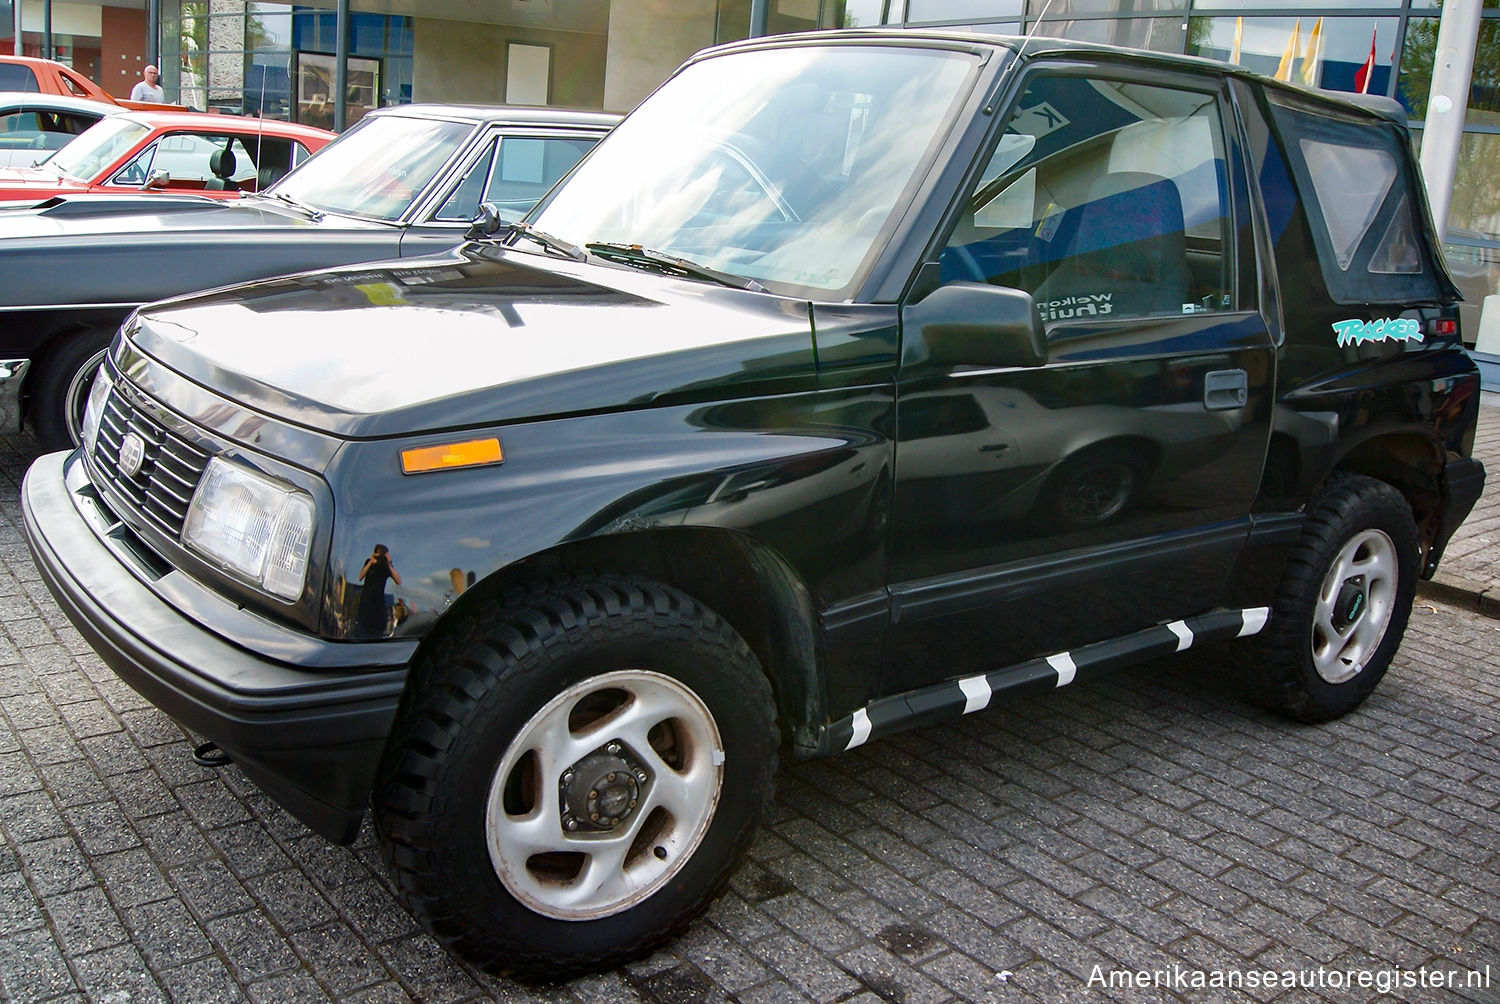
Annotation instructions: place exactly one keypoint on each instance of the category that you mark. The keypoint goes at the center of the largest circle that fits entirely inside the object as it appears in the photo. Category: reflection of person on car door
(373, 618)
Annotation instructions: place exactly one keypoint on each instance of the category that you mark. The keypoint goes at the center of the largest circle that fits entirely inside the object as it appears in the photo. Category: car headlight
(255, 527)
(93, 412)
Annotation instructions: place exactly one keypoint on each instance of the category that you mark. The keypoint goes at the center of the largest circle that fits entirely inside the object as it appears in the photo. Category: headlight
(93, 412)
(255, 527)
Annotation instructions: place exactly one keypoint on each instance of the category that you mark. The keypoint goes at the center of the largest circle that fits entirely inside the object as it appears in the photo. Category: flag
(1239, 35)
(1312, 58)
(1364, 73)
(1284, 68)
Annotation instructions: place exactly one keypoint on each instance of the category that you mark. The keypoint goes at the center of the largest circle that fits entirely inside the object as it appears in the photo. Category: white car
(33, 126)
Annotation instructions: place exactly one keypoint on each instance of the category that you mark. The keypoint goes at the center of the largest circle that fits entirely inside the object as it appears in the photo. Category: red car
(167, 151)
(47, 76)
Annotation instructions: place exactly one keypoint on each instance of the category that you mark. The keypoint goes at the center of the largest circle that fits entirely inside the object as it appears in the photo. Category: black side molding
(953, 698)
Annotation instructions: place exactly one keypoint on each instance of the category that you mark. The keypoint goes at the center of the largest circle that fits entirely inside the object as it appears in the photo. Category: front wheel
(1343, 603)
(60, 390)
(574, 776)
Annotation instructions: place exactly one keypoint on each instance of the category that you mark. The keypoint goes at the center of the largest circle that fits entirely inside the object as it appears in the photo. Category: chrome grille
(170, 466)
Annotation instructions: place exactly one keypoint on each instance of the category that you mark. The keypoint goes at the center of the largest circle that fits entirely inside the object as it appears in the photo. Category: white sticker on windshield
(1394, 329)
(1039, 120)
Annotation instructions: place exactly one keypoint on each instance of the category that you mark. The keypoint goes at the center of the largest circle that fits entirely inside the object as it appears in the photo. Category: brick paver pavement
(1149, 821)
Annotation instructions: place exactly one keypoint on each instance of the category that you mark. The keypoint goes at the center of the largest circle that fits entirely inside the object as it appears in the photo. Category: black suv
(856, 381)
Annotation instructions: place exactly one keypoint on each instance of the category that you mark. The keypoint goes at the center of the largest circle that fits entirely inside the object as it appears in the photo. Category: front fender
(814, 492)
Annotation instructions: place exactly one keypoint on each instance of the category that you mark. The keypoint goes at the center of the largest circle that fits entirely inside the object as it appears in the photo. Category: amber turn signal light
(448, 456)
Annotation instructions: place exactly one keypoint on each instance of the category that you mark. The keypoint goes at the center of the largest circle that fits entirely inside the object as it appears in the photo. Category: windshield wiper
(316, 214)
(660, 261)
(546, 240)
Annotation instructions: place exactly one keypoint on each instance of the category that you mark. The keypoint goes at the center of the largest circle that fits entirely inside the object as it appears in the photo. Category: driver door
(1108, 489)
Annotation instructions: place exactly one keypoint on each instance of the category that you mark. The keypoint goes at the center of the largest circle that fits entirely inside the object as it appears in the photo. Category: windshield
(777, 165)
(378, 168)
(97, 147)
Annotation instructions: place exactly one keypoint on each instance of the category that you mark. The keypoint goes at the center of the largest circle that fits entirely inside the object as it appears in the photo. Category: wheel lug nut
(571, 824)
(567, 777)
(613, 747)
(594, 816)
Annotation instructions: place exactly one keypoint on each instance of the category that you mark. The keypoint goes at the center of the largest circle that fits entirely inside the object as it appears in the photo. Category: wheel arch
(1409, 461)
(746, 583)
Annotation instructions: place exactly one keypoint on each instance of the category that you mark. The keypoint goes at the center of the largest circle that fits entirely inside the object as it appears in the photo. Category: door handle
(1225, 389)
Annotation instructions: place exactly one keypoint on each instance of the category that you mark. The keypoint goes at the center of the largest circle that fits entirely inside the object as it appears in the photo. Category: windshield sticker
(1395, 329)
(1039, 120)
(1046, 228)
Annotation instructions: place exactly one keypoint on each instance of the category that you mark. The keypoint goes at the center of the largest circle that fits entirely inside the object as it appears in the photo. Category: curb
(1476, 597)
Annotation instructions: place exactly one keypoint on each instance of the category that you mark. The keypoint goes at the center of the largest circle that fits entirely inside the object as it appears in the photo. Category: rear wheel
(575, 775)
(1343, 603)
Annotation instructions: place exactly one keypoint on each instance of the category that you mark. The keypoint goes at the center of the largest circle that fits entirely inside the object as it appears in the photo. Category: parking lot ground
(1150, 822)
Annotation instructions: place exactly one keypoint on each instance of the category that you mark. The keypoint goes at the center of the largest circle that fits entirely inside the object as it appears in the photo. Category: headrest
(221, 163)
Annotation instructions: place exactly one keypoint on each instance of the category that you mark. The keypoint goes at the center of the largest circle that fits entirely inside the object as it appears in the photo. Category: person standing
(373, 618)
(148, 89)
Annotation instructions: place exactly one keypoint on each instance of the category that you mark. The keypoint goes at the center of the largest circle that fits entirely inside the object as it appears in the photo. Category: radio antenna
(260, 127)
(1031, 32)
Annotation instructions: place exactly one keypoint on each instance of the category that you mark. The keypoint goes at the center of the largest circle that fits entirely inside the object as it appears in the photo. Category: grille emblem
(132, 452)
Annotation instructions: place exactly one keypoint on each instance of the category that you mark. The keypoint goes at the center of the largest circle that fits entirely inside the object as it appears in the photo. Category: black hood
(475, 337)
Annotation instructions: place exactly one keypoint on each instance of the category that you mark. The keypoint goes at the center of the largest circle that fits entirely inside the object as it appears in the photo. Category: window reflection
(246, 60)
(1333, 63)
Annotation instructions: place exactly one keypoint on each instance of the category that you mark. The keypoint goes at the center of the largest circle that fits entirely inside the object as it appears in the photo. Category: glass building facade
(277, 59)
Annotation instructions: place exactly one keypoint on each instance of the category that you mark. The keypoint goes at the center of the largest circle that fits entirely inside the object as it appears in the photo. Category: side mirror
(158, 179)
(486, 223)
(973, 324)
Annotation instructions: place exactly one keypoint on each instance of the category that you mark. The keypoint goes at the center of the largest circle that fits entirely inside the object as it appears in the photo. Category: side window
(186, 157)
(15, 77)
(73, 124)
(1356, 178)
(1103, 199)
(528, 167)
(73, 84)
(266, 160)
(513, 173)
(138, 169)
(463, 204)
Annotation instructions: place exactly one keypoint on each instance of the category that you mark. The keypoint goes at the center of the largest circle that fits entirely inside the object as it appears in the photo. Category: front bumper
(311, 738)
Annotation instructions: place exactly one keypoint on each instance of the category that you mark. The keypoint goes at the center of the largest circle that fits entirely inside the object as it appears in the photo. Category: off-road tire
(481, 687)
(1352, 516)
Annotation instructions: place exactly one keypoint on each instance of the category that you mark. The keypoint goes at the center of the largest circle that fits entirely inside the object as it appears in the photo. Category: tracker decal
(1382, 329)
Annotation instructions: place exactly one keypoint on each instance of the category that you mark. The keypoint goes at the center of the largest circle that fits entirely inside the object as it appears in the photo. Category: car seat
(221, 163)
(1124, 253)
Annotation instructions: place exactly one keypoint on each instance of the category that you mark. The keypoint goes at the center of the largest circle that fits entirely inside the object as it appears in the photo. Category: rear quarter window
(1363, 201)
(14, 77)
